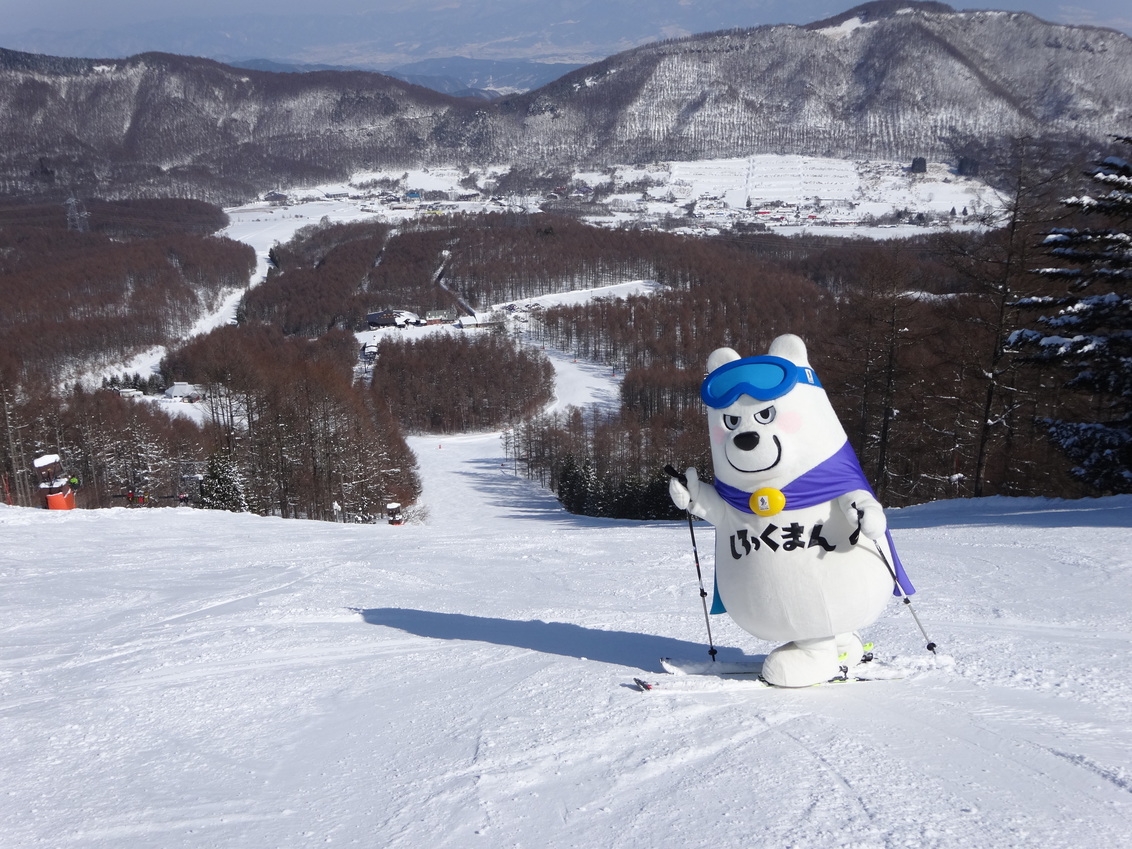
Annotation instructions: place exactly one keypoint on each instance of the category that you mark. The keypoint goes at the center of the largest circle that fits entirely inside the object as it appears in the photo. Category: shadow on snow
(622, 648)
(1110, 512)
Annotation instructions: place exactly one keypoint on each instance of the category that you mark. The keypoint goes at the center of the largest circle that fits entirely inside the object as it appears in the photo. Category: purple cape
(826, 481)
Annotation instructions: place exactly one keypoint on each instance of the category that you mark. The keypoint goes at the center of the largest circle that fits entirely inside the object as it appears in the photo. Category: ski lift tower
(54, 485)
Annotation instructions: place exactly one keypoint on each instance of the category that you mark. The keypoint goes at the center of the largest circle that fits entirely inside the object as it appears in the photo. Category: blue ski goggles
(763, 378)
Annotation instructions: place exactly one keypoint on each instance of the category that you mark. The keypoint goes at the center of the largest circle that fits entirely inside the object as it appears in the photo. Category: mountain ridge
(884, 80)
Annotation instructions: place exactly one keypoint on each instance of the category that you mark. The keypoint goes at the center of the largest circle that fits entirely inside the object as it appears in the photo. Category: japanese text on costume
(774, 538)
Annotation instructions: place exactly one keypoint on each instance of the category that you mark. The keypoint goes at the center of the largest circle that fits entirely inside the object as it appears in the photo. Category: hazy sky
(64, 15)
(303, 29)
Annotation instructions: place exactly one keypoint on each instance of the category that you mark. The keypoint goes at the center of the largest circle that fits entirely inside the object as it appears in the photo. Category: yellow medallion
(767, 501)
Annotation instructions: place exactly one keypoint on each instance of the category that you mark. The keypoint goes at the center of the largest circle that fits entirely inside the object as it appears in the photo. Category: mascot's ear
(790, 347)
(721, 356)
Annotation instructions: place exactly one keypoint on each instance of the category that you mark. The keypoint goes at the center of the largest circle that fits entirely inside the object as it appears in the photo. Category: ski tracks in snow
(186, 678)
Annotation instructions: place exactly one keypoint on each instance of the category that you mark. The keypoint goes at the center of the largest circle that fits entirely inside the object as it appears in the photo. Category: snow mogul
(803, 556)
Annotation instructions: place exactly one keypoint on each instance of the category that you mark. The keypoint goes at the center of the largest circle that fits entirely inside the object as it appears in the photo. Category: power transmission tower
(78, 219)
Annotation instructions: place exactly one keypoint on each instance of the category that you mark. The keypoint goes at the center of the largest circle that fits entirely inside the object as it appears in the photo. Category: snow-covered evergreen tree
(222, 487)
(1088, 328)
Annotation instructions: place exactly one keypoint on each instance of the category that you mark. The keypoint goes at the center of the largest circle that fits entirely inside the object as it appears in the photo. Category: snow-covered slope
(886, 81)
(185, 678)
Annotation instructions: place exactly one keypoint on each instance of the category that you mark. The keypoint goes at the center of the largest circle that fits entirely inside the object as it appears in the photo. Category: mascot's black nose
(747, 441)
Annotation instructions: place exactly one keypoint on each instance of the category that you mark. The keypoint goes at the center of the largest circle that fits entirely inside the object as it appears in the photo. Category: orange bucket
(61, 500)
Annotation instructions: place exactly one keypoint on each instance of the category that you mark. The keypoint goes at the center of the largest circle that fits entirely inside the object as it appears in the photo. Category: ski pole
(895, 581)
(904, 596)
(696, 556)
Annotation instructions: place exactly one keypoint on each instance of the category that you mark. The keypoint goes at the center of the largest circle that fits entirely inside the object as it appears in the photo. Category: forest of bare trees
(86, 284)
(111, 281)
(444, 384)
(98, 283)
(907, 335)
(123, 452)
(287, 416)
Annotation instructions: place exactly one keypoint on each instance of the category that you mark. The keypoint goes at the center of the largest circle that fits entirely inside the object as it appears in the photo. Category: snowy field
(874, 188)
(827, 196)
(184, 678)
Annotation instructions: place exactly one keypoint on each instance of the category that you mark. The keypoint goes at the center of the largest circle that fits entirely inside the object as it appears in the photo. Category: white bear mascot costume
(790, 505)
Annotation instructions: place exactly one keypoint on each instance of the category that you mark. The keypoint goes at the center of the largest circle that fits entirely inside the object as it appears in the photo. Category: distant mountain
(275, 67)
(157, 124)
(447, 85)
(386, 33)
(885, 80)
(443, 84)
(462, 77)
(486, 79)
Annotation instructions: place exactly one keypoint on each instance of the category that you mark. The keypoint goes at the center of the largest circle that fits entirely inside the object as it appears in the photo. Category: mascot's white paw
(682, 495)
(679, 494)
(865, 511)
(802, 663)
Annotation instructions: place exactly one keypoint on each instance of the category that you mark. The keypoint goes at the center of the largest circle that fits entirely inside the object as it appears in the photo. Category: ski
(754, 666)
(684, 666)
(699, 684)
(688, 675)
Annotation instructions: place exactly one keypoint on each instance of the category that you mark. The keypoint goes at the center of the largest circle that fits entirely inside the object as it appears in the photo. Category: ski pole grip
(670, 470)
